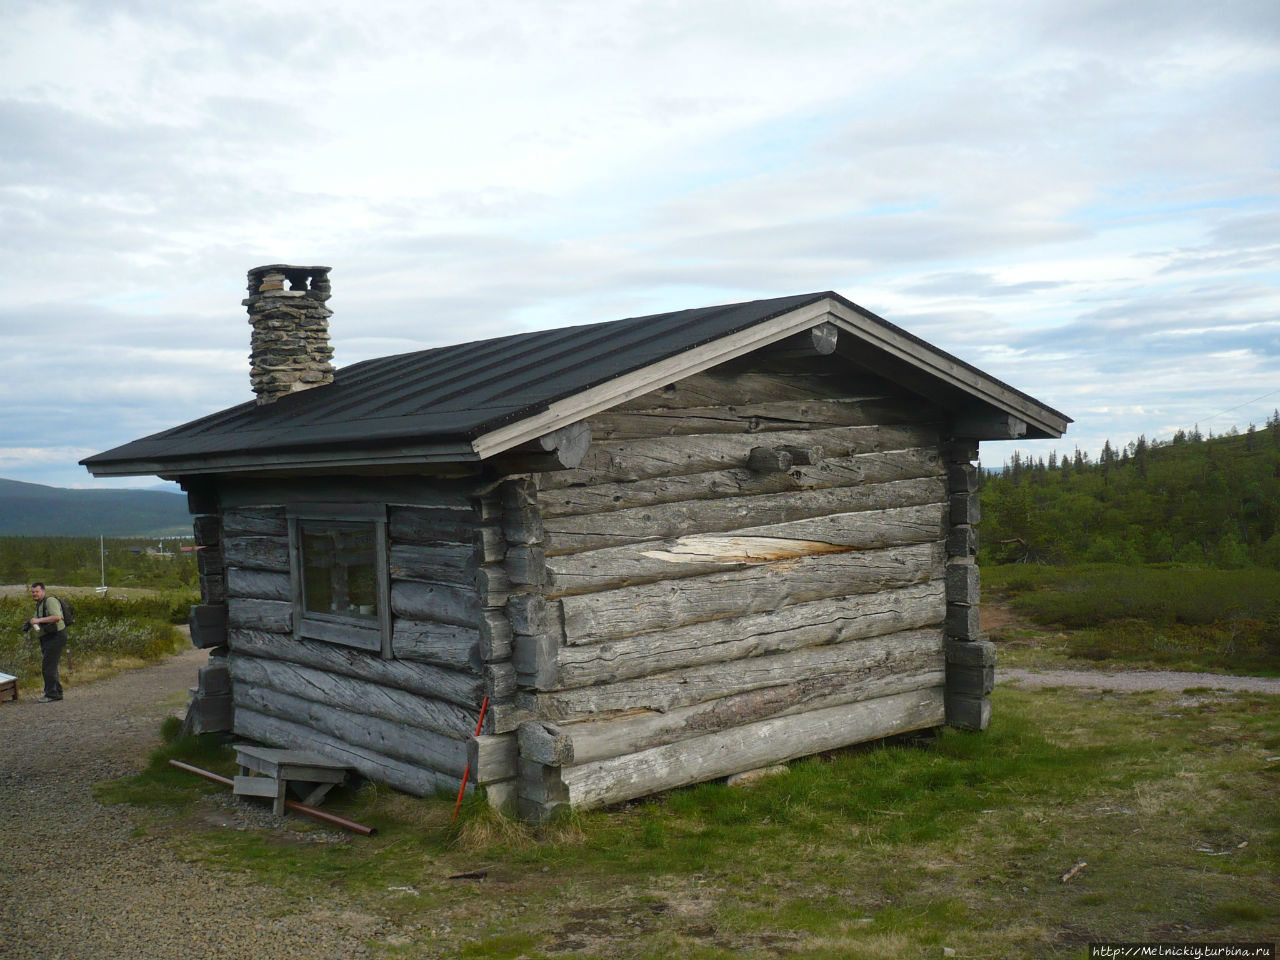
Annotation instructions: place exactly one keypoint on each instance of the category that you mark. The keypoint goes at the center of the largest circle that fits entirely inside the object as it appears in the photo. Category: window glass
(339, 569)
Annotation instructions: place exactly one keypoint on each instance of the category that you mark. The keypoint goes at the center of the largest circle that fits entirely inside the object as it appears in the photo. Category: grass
(887, 850)
(1167, 617)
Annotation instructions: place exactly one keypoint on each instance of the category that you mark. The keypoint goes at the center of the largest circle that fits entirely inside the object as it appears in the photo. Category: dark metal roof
(453, 393)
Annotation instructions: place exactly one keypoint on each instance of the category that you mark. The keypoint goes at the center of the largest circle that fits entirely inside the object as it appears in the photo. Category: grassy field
(890, 851)
(1167, 617)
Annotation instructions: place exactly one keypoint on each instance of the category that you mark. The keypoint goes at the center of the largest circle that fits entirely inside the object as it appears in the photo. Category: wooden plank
(766, 418)
(744, 748)
(599, 737)
(444, 644)
(615, 461)
(427, 525)
(434, 563)
(464, 689)
(399, 741)
(273, 616)
(493, 758)
(445, 603)
(260, 522)
(756, 588)
(811, 624)
(912, 649)
(256, 553)
(575, 534)
(731, 386)
(258, 584)
(416, 491)
(877, 467)
(396, 773)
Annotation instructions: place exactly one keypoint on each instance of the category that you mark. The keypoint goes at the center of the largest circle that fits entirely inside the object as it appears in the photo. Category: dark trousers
(51, 648)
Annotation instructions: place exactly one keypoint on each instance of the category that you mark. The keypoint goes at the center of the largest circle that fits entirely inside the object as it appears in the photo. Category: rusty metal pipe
(302, 808)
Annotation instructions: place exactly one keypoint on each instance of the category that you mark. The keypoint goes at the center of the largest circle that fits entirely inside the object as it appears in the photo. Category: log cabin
(653, 551)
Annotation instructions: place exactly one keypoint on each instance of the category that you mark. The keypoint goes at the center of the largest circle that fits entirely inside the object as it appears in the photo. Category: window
(340, 580)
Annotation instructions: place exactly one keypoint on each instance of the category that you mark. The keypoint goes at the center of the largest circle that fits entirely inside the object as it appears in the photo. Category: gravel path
(1131, 680)
(75, 881)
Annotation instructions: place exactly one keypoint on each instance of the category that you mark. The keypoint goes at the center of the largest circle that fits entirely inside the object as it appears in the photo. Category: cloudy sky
(1080, 197)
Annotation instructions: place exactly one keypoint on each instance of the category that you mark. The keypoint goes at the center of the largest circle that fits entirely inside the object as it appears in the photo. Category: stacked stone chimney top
(289, 345)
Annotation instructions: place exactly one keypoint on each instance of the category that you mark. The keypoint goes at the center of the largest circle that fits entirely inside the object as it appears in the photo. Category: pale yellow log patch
(709, 548)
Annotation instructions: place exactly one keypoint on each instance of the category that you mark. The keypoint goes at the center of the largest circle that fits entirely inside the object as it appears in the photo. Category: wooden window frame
(374, 638)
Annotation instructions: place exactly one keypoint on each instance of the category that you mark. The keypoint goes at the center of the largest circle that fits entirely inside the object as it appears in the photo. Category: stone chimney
(289, 347)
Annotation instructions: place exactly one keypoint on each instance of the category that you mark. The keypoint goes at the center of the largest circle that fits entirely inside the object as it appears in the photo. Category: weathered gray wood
(464, 689)
(971, 667)
(768, 460)
(209, 561)
(614, 461)
(418, 491)
(213, 588)
(207, 530)
(747, 747)
(495, 635)
(962, 622)
(612, 735)
(595, 617)
(213, 679)
(989, 426)
(493, 758)
(879, 467)
(526, 565)
(445, 603)
(962, 541)
(256, 553)
(434, 563)
(208, 624)
(208, 714)
(962, 478)
(909, 650)
(762, 418)
(493, 585)
(968, 713)
(259, 584)
(396, 773)
(960, 450)
(357, 696)
(816, 623)
(201, 496)
(427, 525)
(736, 385)
(262, 522)
(272, 616)
(963, 583)
(444, 644)
(576, 534)
(545, 743)
(965, 508)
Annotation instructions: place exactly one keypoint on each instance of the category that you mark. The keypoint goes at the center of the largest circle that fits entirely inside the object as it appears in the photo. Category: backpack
(68, 613)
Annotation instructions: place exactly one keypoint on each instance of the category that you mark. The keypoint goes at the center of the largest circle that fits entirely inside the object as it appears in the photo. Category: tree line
(1209, 501)
(75, 562)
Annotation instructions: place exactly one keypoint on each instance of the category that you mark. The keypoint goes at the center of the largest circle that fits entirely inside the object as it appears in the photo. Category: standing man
(53, 640)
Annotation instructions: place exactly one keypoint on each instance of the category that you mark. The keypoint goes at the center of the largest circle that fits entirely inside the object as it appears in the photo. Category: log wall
(747, 566)
(408, 719)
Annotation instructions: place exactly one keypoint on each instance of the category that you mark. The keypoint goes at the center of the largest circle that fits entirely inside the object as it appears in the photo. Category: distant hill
(34, 510)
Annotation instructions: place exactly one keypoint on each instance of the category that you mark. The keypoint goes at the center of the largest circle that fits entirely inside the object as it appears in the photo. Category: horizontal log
(971, 653)
(256, 553)
(965, 509)
(209, 561)
(763, 418)
(545, 743)
(756, 588)
(600, 737)
(816, 623)
(247, 522)
(962, 478)
(967, 712)
(259, 584)
(444, 644)
(962, 622)
(576, 534)
(880, 467)
(493, 585)
(721, 387)
(278, 732)
(493, 758)
(207, 530)
(495, 635)
(909, 650)
(400, 741)
(272, 616)
(453, 686)
(427, 525)
(208, 625)
(621, 460)
(213, 588)
(962, 541)
(526, 565)
(434, 563)
(415, 491)
(744, 748)
(445, 603)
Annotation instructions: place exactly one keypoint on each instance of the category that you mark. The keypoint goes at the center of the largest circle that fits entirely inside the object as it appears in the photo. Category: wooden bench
(8, 687)
(270, 772)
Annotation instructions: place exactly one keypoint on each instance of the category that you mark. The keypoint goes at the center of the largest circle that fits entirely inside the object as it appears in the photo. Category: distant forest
(1206, 501)
(77, 562)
